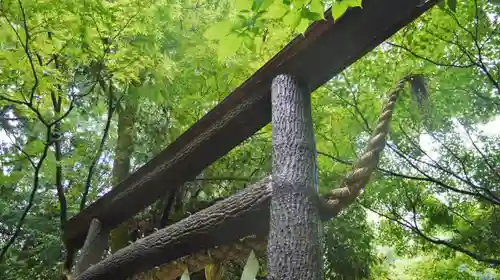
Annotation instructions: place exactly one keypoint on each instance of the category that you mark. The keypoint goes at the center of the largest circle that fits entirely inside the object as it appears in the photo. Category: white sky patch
(431, 147)
(490, 129)
(3, 137)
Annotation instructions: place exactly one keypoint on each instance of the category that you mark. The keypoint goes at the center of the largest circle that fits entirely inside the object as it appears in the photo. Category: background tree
(70, 68)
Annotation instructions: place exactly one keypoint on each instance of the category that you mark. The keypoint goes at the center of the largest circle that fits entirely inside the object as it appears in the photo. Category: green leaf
(213, 272)
(243, 5)
(353, 3)
(34, 147)
(251, 267)
(293, 19)
(277, 10)
(338, 9)
(303, 25)
(229, 45)
(249, 42)
(307, 14)
(218, 30)
(318, 8)
(299, 4)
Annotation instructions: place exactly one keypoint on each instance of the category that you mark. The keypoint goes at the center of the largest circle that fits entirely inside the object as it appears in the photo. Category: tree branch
(27, 51)
(36, 183)
(413, 165)
(111, 109)
(415, 229)
(428, 59)
(434, 163)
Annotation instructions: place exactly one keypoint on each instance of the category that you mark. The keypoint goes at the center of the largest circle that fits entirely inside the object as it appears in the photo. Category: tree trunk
(294, 246)
(119, 237)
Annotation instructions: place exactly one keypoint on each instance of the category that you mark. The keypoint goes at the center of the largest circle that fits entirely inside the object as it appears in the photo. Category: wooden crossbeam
(325, 50)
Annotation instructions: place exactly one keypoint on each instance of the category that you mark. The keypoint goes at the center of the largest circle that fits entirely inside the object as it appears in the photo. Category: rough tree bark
(294, 246)
(225, 222)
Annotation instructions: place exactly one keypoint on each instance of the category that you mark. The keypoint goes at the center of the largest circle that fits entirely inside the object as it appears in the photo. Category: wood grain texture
(206, 229)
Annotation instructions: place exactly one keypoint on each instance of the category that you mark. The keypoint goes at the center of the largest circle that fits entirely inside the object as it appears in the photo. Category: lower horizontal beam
(243, 214)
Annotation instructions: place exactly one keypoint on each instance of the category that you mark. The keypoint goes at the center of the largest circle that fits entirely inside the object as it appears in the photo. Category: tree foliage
(69, 67)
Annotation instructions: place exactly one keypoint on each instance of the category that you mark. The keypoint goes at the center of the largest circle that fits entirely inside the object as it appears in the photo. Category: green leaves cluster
(177, 59)
(253, 18)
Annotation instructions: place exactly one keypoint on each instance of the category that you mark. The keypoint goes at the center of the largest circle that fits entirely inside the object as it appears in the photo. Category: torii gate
(324, 50)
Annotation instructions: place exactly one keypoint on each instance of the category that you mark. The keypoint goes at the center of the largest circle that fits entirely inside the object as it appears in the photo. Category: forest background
(91, 90)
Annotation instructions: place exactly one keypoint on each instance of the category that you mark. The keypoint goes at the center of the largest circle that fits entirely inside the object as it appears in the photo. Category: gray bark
(225, 222)
(294, 246)
(94, 247)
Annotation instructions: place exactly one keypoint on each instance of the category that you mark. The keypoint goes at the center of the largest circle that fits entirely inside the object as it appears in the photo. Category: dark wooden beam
(325, 50)
(243, 214)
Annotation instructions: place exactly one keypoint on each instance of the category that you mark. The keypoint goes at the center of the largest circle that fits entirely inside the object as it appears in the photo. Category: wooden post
(94, 247)
(294, 246)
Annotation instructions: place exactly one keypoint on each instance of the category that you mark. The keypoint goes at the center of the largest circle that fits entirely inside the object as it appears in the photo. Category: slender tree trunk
(56, 103)
(294, 246)
(119, 237)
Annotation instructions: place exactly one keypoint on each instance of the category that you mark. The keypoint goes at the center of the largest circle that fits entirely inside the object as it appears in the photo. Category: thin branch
(460, 25)
(337, 152)
(30, 106)
(20, 149)
(479, 63)
(36, 183)
(428, 59)
(439, 183)
(483, 67)
(111, 109)
(462, 163)
(427, 178)
(125, 25)
(476, 24)
(28, 52)
(364, 122)
(436, 164)
(462, 48)
(456, 156)
(404, 176)
(486, 161)
(355, 105)
(483, 156)
(416, 230)
(72, 105)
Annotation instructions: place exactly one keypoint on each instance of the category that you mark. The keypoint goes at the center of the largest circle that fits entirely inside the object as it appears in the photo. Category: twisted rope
(356, 180)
